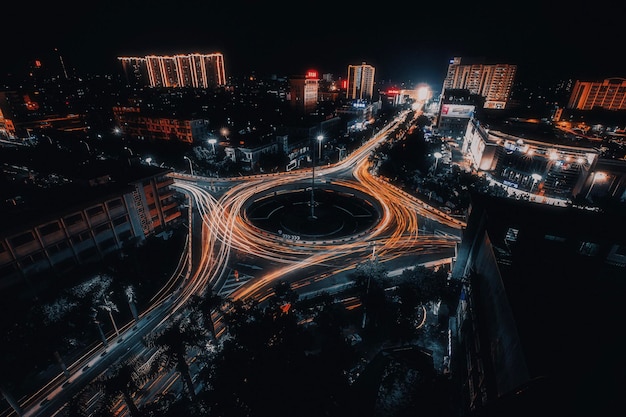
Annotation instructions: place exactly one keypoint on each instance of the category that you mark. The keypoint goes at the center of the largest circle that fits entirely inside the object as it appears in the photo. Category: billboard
(311, 74)
(463, 111)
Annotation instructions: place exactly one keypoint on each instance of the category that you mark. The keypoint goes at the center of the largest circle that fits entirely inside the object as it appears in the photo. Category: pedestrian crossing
(234, 280)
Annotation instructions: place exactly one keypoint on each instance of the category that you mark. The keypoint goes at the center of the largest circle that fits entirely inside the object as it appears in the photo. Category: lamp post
(212, 141)
(320, 138)
(536, 178)
(597, 176)
(312, 216)
(437, 155)
(190, 166)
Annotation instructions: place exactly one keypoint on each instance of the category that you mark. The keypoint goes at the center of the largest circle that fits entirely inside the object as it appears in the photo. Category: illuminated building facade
(303, 91)
(191, 70)
(137, 126)
(7, 129)
(491, 81)
(455, 111)
(90, 221)
(39, 110)
(360, 84)
(530, 156)
(609, 94)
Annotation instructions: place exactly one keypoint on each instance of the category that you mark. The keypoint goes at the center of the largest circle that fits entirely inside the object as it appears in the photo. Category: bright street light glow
(320, 138)
(213, 141)
(437, 155)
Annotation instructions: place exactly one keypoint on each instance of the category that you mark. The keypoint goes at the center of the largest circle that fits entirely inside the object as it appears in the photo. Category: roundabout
(332, 212)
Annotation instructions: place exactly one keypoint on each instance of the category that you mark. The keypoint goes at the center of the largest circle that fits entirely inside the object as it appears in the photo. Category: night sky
(404, 41)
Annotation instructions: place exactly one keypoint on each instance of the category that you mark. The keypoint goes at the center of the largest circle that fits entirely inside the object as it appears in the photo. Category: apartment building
(491, 81)
(609, 94)
(183, 70)
(360, 85)
(134, 124)
(49, 231)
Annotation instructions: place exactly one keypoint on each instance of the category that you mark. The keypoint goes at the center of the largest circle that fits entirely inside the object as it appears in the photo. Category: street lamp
(320, 138)
(437, 155)
(596, 177)
(190, 166)
(212, 141)
(312, 216)
(536, 178)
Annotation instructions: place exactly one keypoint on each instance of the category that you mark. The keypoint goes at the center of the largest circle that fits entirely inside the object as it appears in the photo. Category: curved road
(307, 265)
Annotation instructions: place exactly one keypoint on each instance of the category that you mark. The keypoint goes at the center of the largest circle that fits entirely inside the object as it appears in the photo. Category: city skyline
(403, 42)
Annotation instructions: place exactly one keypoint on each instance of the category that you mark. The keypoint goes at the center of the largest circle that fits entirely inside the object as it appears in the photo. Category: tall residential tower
(609, 94)
(491, 81)
(192, 70)
(360, 82)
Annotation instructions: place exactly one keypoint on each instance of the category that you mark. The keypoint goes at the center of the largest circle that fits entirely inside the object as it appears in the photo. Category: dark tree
(206, 306)
(120, 380)
(174, 342)
(268, 366)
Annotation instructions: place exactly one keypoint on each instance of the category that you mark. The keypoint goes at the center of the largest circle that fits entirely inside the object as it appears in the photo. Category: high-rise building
(360, 82)
(191, 70)
(135, 69)
(491, 81)
(303, 91)
(609, 94)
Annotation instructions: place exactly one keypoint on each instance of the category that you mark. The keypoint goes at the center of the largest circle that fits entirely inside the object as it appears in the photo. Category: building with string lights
(177, 71)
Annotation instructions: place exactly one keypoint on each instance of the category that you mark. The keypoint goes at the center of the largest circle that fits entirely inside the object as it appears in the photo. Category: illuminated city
(251, 211)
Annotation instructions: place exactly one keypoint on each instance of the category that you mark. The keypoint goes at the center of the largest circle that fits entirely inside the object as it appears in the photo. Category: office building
(609, 94)
(191, 70)
(491, 81)
(540, 315)
(360, 84)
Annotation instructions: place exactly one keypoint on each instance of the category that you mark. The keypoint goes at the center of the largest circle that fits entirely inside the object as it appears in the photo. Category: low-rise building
(46, 231)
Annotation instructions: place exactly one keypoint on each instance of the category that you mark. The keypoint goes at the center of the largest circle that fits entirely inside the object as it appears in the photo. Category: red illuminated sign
(311, 74)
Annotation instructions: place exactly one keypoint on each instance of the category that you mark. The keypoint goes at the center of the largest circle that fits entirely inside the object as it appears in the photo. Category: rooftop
(29, 196)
